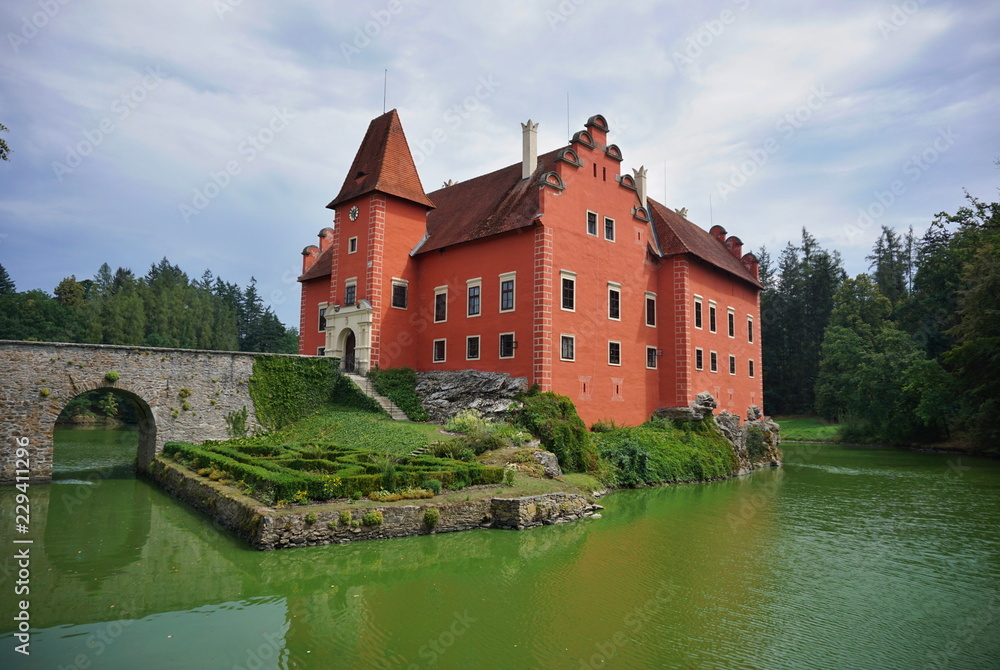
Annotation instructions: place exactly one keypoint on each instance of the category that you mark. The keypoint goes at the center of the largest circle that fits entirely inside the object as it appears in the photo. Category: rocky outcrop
(755, 442)
(445, 393)
(549, 463)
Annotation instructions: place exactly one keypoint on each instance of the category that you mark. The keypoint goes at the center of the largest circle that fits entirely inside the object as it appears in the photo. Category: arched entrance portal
(146, 449)
(350, 356)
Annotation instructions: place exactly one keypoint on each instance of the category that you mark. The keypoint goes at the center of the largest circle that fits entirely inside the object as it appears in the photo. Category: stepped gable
(383, 164)
(494, 203)
(677, 235)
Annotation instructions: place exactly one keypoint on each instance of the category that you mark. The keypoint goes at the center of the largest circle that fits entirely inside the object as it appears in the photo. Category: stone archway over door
(354, 321)
(350, 353)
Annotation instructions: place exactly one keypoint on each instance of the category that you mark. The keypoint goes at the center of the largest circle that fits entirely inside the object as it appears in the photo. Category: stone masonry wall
(266, 528)
(38, 379)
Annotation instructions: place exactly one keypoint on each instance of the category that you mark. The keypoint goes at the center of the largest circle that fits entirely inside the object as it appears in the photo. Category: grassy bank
(801, 428)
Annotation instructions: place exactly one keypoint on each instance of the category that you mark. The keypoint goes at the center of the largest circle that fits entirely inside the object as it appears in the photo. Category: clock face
(354, 213)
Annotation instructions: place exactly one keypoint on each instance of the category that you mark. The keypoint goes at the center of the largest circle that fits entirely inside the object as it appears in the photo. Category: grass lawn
(801, 428)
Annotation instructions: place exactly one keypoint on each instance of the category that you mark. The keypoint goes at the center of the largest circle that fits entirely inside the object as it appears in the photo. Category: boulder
(444, 393)
(549, 462)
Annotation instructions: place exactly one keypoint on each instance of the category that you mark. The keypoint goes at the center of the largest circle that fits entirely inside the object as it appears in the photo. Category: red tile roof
(677, 235)
(384, 164)
(322, 266)
(491, 204)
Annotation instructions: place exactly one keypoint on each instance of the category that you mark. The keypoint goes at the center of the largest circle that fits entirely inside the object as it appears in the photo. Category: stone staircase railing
(368, 389)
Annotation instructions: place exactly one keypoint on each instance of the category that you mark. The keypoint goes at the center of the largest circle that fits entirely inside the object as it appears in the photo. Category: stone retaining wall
(266, 528)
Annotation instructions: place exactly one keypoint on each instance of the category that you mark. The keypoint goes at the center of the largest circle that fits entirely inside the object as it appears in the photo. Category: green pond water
(843, 558)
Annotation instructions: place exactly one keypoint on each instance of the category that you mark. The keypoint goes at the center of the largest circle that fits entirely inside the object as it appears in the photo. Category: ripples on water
(844, 558)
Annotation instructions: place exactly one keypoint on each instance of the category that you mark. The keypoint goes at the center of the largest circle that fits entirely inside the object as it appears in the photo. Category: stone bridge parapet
(180, 394)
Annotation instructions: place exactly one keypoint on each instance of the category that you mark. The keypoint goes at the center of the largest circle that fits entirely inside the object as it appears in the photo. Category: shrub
(604, 426)
(433, 484)
(384, 496)
(184, 392)
(553, 420)
(373, 518)
(647, 455)
(456, 449)
(345, 517)
(756, 444)
(508, 477)
(355, 524)
(431, 517)
(45, 393)
(356, 495)
(111, 376)
(468, 421)
(311, 518)
(400, 386)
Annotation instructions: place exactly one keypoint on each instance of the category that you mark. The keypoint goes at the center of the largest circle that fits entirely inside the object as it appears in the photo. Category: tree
(890, 263)
(4, 149)
(6, 283)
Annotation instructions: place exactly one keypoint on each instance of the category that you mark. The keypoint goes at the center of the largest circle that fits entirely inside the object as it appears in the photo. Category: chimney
(718, 232)
(325, 238)
(752, 265)
(735, 246)
(309, 256)
(640, 184)
(529, 145)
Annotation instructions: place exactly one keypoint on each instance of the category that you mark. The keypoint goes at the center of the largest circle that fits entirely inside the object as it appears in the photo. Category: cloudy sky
(214, 132)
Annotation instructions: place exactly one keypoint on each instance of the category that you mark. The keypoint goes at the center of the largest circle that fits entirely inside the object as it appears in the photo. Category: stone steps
(368, 389)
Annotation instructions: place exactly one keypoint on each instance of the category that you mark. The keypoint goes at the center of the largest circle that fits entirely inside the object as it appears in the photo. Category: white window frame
(614, 233)
(699, 350)
(750, 368)
(619, 363)
(713, 315)
(479, 347)
(653, 366)
(440, 290)
(566, 275)
(616, 287)
(713, 361)
(444, 349)
(469, 285)
(731, 323)
(597, 223)
(351, 281)
(321, 316)
(750, 328)
(645, 306)
(352, 245)
(396, 281)
(513, 346)
(699, 308)
(732, 364)
(511, 277)
(572, 339)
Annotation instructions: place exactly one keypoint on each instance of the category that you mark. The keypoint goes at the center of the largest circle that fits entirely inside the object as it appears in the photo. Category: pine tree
(6, 283)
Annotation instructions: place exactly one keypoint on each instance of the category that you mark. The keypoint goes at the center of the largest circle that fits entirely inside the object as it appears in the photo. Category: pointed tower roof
(384, 164)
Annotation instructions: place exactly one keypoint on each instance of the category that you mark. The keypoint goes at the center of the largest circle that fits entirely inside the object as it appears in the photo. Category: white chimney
(529, 145)
(640, 184)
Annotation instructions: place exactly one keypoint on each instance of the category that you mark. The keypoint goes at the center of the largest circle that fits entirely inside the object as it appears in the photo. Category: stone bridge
(179, 394)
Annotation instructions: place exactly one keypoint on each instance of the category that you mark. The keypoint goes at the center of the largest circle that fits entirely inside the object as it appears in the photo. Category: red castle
(558, 268)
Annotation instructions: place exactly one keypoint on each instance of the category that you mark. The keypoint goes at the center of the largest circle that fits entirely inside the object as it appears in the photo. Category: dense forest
(164, 308)
(908, 352)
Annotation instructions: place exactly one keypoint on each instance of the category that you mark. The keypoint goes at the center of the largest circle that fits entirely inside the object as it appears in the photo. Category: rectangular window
(567, 348)
(615, 301)
(592, 223)
(399, 293)
(699, 359)
(614, 353)
(650, 309)
(439, 351)
(322, 318)
(568, 291)
(352, 245)
(749, 329)
(711, 317)
(321, 351)
(713, 362)
(732, 364)
(750, 368)
(350, 294)
(697, 312)
(651, 358)
(440, 304)
(609, 229)
(507, 345)
(507, 292)
(472, 348)
(732, 322)
(474, 293)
